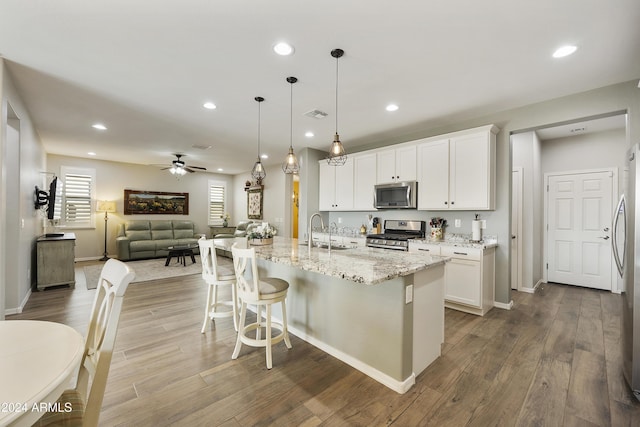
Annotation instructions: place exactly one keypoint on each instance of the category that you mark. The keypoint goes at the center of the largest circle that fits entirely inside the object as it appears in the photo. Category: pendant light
(290, 165)
(258, 173)
(337, 155)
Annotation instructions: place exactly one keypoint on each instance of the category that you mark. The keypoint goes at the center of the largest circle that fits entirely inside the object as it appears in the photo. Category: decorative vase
(225, 223)
(261, 242)
(437, 234)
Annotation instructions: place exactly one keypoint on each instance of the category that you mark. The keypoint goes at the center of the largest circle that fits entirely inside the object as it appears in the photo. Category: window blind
(77, 199)
(216, 203)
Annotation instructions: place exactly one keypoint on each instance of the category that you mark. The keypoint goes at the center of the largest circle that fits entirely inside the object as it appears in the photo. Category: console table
(221, 230)
(55, 261)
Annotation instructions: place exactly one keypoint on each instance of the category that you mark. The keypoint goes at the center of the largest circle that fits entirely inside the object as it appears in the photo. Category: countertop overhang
(369, 266)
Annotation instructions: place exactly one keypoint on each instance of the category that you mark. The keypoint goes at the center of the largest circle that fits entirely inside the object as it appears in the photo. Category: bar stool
(216, 276)
(259, 292)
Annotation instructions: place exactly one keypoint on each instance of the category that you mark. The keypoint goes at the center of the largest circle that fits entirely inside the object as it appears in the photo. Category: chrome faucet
(311, 229)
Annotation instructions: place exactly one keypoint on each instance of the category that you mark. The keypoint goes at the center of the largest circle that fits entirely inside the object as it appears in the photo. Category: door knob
(606, 229)
(605, 237)
(513, 237)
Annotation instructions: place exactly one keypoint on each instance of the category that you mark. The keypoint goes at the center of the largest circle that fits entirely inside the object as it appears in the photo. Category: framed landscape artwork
(254, 202)
(155, 202)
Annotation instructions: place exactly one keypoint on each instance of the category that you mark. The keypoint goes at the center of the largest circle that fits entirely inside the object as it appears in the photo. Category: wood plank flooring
(553, 360)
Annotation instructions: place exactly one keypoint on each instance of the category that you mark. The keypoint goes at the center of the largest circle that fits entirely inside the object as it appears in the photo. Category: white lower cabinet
(469, 276)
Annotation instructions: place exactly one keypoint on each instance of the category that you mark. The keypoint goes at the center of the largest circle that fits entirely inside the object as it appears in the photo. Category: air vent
(578, 130)
(201, 147)
(316, 114)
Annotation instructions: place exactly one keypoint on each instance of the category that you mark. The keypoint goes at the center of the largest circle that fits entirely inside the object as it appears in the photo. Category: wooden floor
(553, 360)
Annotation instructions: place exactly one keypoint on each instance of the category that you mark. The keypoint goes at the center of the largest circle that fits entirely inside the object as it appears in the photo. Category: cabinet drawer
(462, 253)
(427, 248)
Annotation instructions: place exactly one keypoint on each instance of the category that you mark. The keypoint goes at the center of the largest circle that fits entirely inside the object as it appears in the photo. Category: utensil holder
(437, 234)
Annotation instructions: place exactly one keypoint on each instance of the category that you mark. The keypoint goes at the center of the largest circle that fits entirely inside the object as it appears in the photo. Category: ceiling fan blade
(198, 167)
(187, 168)
(164, 169)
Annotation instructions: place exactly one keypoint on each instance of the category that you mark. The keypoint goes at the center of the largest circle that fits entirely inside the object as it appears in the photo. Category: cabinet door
(462, 282)
(470, 175)
(364, 176)
(327, 187)
(406, 163)
(433, 175)
(344, 186)
(386, 166)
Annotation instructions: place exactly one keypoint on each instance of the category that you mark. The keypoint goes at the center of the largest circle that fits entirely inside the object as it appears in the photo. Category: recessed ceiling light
(392, 107)
(283, 49)
(309, 134)
(209, 105)
(99, 126)
(564, 51)
(91, 153)
(264, 156)
(220, 169)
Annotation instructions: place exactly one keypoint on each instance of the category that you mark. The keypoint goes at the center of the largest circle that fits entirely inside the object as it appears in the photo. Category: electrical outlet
(483, 223)
(339, 220)
(408, 294)
(458, 223)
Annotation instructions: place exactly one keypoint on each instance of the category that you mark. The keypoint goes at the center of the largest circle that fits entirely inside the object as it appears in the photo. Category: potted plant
(225, 219)
(261, 235)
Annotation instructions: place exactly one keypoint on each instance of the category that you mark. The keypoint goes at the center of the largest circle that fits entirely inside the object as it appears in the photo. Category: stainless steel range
(397, 234)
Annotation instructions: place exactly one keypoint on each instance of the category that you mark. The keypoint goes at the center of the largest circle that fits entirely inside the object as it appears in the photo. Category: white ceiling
(144, 69)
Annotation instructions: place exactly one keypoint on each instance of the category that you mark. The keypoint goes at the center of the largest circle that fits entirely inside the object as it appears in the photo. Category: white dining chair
(85, 400)
(259, 292)
(216, 276)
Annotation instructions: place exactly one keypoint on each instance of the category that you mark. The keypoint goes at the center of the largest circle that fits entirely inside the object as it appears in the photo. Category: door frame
(615, 194)
(518, 261)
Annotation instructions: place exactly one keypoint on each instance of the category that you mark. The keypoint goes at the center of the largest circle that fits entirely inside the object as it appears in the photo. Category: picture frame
(255, 202)
(144, 202)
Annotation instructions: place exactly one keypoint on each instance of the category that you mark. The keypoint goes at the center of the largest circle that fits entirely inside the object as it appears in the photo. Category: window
(79, 189)
(217, 202)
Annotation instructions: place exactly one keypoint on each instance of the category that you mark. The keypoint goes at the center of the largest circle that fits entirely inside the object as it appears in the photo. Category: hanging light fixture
(337, 155)
(258, 173)
(290, 165)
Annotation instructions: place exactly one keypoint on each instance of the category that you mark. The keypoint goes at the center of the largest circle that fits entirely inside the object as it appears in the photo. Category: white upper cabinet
(336, 186)
(458, 172)
(364, 177)
(396, 165)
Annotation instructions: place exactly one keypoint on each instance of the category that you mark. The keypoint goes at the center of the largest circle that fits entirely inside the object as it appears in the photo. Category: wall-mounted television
(54, 205)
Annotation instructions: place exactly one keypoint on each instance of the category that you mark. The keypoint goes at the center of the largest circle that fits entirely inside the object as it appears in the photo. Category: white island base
(390, 331)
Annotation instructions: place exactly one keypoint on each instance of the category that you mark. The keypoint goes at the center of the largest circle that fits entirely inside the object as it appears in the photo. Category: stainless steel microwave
(397, 195)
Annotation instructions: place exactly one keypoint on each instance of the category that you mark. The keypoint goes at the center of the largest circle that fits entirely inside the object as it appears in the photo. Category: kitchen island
(380, 311)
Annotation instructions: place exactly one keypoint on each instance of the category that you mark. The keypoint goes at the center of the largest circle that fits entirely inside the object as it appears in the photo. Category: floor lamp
(106, 207)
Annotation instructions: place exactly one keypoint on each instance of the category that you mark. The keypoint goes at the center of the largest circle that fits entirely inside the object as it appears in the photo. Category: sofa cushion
(142, 246)
(182, 229)
(161, 225)
(164, 244)
(137, 225)
(161, 234)
(138, 235)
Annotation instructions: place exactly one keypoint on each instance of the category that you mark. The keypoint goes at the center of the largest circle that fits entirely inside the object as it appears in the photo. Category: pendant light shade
(337, 154)
(258, 173)
(290, 165)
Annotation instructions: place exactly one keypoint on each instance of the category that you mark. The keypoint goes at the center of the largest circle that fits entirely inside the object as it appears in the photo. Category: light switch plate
(458, 223)
(408, 294)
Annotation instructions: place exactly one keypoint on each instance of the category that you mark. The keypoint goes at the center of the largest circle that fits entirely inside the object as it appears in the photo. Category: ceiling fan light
(173, 171)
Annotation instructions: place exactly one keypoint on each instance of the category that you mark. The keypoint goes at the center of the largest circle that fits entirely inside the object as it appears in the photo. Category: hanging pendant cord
(291, 118)
(258, 130)
(337, 94)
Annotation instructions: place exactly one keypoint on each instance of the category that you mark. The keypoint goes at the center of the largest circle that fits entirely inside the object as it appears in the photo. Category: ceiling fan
(179, 167)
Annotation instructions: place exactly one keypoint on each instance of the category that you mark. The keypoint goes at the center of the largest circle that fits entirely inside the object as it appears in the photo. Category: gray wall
(22, 163)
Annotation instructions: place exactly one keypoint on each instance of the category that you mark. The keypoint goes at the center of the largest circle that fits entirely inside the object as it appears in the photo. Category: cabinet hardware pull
(461, 253)
(426, 250)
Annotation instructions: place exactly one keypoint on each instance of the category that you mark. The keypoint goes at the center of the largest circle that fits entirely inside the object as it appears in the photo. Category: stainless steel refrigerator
(626, 251)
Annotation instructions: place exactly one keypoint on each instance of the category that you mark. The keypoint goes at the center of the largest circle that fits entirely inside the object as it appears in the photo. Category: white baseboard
(503, 306)
(89, 258)
(384, 379)
(20, 308)
(395, 385)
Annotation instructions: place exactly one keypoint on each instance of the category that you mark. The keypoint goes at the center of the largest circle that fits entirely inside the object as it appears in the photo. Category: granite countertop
(369, 266)
(485, 243)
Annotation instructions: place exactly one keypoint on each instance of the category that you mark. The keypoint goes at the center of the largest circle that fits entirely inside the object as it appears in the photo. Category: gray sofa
(140, 239)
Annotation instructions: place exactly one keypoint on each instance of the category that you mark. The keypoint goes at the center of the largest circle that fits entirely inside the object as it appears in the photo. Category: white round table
(37, 362)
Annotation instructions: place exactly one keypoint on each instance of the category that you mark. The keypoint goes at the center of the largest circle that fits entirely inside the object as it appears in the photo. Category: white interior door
(579, 229)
